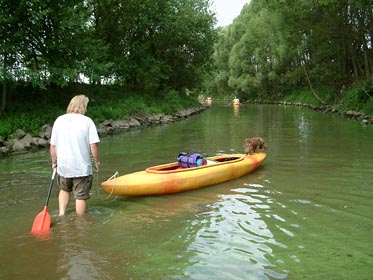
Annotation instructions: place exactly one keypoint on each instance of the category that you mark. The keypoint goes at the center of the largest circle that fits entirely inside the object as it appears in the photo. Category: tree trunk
(3, 99)
(367, 64)
(354, 64)
(369, 53)
(313, 92)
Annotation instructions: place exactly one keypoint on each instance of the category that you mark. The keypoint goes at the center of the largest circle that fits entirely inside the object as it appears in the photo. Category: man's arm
(96, 155)
(52, 151)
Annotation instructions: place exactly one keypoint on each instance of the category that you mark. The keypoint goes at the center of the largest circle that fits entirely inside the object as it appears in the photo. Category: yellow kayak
(170, 178)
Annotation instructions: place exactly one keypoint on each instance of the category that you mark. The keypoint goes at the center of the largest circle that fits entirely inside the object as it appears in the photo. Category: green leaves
(43, 40)
(270, 43)
(143, 44)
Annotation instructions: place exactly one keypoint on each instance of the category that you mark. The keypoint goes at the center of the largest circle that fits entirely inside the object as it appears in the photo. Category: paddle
(42, 221)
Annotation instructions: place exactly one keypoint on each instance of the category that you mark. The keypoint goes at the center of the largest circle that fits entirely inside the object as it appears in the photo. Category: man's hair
(78, 104)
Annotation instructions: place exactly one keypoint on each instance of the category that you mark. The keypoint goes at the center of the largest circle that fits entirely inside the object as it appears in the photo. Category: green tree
(277, 46)
(157, 44)
(46, 40)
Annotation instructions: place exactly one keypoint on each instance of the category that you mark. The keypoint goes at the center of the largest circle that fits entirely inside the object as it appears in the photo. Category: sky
(227, 10)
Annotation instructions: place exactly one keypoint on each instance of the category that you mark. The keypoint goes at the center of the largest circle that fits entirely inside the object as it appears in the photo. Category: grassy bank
(30, 111)
(359, 97)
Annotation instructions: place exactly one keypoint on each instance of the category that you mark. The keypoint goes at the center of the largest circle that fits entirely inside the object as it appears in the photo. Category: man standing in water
(74, 137)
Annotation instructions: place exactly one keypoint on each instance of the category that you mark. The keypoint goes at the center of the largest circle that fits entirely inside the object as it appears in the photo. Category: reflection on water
(236, 110)
(76, 260)
(234, 235)
(307, 213)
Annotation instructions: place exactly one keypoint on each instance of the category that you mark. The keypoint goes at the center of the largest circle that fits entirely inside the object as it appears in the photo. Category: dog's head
(263, 146)
(260, 142)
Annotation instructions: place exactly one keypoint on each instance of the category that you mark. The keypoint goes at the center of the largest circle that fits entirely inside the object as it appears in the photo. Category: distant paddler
(208, 100)
(236, 101)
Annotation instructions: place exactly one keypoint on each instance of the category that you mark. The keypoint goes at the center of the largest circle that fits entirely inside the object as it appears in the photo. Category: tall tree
(157, 44)
(143, 44)
(278, 45)
(47, 39)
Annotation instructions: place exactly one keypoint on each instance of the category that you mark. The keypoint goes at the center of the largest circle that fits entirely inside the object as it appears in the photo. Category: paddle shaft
(50, 186)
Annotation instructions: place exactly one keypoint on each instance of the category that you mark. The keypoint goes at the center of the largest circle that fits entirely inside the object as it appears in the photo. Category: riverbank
(23, 141)
(352, 114)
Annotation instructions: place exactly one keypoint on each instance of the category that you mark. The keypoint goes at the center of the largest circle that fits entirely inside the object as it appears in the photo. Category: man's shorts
(80, 186)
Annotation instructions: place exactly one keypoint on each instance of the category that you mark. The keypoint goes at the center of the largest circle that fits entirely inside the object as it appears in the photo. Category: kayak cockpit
(211, 162)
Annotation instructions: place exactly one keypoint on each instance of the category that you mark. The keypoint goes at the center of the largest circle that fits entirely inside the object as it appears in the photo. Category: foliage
(42, 41)
(146, 45)
(359, 97)
(107, 104)
(157, 44)
(305, 96)
(30, 122)
(274, 47)
(368, 107)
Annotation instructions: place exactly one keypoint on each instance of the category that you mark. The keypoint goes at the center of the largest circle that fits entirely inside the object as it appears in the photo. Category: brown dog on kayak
(251, 145)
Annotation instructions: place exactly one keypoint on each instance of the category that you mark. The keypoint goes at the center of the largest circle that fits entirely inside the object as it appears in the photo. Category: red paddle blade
(41, 223)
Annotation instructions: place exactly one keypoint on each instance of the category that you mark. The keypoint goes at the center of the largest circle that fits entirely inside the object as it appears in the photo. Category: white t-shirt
(72, 135)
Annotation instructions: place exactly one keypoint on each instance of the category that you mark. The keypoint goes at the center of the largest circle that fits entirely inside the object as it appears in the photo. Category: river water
(305, 214)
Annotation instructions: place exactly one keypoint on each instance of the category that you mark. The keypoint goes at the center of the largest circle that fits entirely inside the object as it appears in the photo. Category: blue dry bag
(186, 160)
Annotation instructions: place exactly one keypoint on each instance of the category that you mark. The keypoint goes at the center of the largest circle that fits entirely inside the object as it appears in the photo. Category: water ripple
(235, 236)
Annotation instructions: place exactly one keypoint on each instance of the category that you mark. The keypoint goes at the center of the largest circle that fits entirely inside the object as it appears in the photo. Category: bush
(30, 122)
(368, 107)
(306, 96)
(358, 98)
